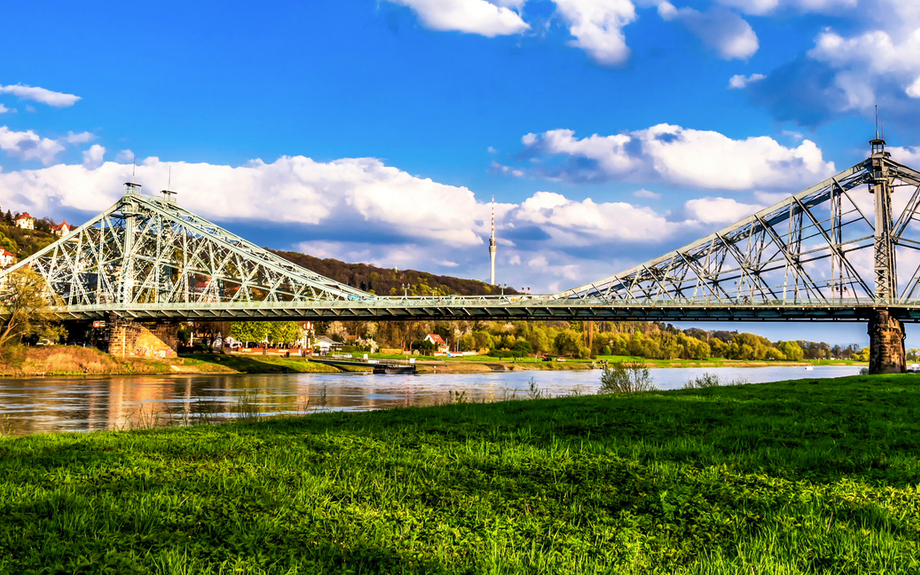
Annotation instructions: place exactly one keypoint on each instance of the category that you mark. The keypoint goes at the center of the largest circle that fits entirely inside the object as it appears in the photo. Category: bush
(705, 380)
(712, 380)
(504, 353)
(626, 377)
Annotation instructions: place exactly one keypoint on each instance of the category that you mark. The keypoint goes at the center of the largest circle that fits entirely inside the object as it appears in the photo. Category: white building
(25, 221)
(61, 229)
(6, 259)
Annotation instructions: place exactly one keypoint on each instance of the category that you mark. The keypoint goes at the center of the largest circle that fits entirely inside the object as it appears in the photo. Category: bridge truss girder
(150, 253)
(805, 250)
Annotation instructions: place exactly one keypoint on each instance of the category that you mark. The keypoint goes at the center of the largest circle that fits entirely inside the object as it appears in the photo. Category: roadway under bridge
(828, 253)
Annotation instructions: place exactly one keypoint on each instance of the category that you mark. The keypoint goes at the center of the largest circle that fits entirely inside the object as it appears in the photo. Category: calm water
(40, 405)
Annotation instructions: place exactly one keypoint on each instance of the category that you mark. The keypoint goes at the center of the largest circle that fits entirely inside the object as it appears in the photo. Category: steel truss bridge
(828, 253)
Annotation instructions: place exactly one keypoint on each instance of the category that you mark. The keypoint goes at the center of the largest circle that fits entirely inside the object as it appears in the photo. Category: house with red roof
(438, 341)
(25, 221)
(6, 259)
(61, 229)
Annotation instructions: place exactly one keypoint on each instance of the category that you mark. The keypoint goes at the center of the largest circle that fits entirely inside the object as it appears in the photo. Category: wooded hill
(23, 243)
(388, 281)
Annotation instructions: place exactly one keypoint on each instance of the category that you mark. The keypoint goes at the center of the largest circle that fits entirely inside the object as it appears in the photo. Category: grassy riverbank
(68, 360)
(61, 360)
(813, 476)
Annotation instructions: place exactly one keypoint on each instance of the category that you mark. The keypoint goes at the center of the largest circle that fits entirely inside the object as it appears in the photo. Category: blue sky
(609, 131)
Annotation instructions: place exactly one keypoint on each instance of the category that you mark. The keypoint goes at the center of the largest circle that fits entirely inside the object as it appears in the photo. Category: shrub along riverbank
(813, 476)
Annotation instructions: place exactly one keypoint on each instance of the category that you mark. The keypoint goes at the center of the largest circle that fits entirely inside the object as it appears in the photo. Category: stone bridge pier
(886, 344)
(148, 339)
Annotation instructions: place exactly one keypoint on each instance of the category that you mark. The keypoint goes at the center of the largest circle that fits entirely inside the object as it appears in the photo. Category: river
(43, 405)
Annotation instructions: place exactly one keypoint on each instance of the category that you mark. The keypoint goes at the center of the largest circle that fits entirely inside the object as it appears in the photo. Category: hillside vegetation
(814, 476)
(388, 281)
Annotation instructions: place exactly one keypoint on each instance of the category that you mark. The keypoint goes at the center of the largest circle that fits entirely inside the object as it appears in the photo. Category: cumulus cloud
(875, 61)
(4, 109)
(573, 223)
(739, 81)
(679, 157)
(353, 192)
(762, 7)
(721, 30)
(863, 60)
(28, 146)
(92, 158)
(41, 95)
(359, 209)
(719, 210)
(470, 16)
(597, 26)
(80, 138)
(125, 156)
(647, 194)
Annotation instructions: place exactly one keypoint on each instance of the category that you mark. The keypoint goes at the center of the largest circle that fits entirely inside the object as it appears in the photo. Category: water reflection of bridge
(828, 253)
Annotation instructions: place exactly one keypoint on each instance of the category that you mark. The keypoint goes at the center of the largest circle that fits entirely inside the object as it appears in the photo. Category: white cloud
(761, 7)
(384, 216)
(740, 81)
(908, 156)
(92, 158)
(719, 210)
(597, 26)
(572, 223)
(722, 30)
(679, 157)
(4, 109)
(866, 63)
(356, 191)
(41, 95)
(28, 146)
(81, 138)
(470, 16)
(647, 194)
(125, 157)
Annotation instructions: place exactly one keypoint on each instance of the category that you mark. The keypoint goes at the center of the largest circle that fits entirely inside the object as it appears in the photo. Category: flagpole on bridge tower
(886, 334)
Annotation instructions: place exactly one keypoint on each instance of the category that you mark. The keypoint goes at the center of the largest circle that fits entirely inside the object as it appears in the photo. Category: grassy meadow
(810, 476)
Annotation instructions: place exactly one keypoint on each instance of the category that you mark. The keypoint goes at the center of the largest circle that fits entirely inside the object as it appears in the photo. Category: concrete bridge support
(886, 344)
(132, 339)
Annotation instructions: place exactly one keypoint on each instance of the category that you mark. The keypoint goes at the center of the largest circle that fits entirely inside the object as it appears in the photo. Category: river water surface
(42, 405)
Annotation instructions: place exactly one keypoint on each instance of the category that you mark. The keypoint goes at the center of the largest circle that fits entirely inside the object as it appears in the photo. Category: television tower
(492, 244)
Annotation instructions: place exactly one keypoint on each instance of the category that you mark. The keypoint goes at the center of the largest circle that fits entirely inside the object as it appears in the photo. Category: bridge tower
(886, 333)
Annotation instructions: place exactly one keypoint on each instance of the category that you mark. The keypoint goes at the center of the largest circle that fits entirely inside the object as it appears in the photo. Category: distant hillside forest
(387, 281)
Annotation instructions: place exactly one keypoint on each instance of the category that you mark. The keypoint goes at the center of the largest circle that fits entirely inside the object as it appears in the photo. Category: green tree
(792, 350)
(284, 332)
(568, 342)
(25, 310)
(250, 331)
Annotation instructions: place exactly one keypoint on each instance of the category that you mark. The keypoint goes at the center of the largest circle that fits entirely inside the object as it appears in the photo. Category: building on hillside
(438, 342)
(6, 259)
(25, 221)
(62, 229)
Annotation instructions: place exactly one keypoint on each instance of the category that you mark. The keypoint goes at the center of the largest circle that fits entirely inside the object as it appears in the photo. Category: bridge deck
(503, 308)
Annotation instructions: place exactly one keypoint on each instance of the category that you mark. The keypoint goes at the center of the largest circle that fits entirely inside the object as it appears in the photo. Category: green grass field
(812, 476)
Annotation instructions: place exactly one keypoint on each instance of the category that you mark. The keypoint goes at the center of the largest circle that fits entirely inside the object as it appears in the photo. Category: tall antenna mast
(876, 122)
(131, 187)
(492, 245)
(168, 193)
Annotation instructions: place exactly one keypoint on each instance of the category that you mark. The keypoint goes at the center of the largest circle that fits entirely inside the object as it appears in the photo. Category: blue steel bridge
(827, 253)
